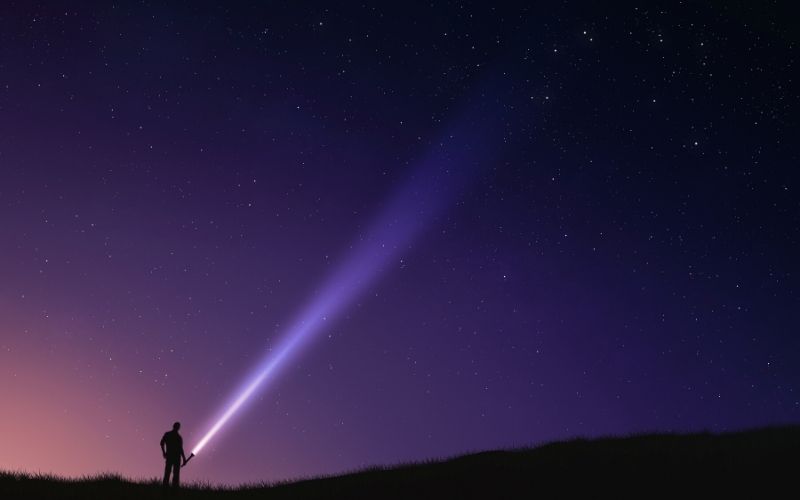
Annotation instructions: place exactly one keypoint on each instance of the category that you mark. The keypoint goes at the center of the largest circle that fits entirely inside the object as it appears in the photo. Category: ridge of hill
(753, 463)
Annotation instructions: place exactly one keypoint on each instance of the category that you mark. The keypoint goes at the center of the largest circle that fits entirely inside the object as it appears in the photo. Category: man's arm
(163, 443)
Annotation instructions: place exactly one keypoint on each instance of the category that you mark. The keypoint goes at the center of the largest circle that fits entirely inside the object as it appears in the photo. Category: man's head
(176, 426)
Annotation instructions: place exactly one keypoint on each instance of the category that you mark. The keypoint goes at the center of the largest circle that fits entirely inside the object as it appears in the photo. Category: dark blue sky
(178, 181)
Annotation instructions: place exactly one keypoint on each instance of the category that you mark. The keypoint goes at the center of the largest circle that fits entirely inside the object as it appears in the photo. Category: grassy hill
(762, 463)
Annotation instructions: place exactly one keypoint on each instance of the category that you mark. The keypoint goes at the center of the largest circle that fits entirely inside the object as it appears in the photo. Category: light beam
(448, 169)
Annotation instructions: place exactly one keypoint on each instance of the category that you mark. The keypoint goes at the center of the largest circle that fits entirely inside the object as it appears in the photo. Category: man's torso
(174, 444)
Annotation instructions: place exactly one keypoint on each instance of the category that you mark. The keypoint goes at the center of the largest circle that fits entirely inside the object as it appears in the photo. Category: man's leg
(167, 466)
(176, 473)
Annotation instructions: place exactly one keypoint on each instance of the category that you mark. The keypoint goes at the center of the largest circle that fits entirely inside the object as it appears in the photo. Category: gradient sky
(615, 251)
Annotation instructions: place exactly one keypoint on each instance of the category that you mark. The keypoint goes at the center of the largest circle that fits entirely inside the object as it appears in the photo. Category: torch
(187, 460)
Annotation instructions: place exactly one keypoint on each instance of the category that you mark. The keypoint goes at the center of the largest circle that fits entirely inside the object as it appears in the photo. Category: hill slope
(751, 463)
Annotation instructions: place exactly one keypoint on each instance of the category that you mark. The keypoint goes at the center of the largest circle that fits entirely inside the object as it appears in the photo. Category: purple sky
(591, 214)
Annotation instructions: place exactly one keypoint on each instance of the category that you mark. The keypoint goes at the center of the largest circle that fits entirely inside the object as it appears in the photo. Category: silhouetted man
(172, 449)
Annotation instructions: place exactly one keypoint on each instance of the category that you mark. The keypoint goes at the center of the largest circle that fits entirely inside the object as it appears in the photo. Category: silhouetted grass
(760, 463)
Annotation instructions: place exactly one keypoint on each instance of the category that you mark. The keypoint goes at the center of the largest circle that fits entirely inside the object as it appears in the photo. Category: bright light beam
(450, 167)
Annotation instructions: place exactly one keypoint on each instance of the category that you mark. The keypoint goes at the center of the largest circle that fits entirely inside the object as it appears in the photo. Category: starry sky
(614, 248)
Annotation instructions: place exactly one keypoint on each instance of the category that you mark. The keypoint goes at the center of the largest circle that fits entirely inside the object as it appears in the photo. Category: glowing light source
(447, 170)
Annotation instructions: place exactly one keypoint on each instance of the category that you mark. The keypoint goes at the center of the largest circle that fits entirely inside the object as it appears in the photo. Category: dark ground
(760, 463)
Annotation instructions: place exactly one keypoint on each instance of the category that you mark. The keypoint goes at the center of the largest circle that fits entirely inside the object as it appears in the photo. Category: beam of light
(448, 169)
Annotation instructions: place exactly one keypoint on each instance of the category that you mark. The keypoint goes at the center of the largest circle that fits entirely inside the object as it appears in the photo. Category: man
(172, 449)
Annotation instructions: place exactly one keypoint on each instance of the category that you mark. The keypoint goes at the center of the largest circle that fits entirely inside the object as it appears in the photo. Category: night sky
(605, 211)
